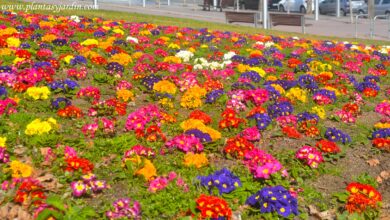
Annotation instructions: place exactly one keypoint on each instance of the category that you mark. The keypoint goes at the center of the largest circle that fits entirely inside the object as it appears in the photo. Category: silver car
(382, 7)
(329, 6)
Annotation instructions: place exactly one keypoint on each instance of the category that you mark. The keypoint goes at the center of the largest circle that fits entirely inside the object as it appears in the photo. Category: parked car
(294, 5)
(382, 7)
(273, 4)
(329, 6)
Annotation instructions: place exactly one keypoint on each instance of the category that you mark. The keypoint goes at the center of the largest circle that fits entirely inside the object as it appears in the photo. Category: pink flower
(79, 188)
(311, 155)
(251, 134)
(69, 152)
(171, 176)
(158, 184)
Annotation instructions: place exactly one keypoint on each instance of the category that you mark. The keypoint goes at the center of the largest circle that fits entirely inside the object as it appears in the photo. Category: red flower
(291, 132)
(382, 143)
(213, 207)
(327, 146)
(361, 197)
(238, 146)
(200, 115)
(75, 163)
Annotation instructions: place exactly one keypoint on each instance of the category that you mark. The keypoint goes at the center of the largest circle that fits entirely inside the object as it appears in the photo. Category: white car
(294, 5)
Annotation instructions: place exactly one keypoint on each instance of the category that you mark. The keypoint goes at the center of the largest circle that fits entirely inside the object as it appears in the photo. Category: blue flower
(224, 180)
(274, 199)
(203, 137)
(335, 135)
(212, 96)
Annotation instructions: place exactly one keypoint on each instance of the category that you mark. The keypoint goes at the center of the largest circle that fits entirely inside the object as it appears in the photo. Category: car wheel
(320, 11)
(302, 10)
(281, 8)
(387, 13)
(344, 13)
(361, 12)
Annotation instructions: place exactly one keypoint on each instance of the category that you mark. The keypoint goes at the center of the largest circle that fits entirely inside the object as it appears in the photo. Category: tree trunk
(309, 7)
(371, 9)
(351, 11)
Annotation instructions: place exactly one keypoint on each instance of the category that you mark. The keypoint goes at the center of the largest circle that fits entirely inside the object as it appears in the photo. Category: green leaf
(56, 202)
(46, 213)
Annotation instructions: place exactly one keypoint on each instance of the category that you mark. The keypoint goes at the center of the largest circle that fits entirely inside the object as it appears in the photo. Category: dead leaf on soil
(373, 162)
(19, 150)
(385, 174)
(49, 182)
(325, 215)
(13, 211)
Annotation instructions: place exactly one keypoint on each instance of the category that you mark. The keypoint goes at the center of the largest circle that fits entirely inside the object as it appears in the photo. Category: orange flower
(197, 160)
(148, 171)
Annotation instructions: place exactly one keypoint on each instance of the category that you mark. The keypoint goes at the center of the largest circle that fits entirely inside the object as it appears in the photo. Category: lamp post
(265, 13)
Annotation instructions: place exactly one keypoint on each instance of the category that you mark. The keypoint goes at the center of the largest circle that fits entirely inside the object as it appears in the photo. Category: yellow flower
(145, 32)
(125, 94)
(259, 70)
(197, 160)
(20, 169)
(89, 42)
(173, 46)
(192, 97)
(165, 38)
(198, 124)
(165, 86)
(243, 68)
(121, 58)
(166, 102)
(2, 141)
(137, 55)
(118, 31)
(320, 111)
(172, 59)
(278, 88)
(297, 94)
(5, 52)
(40, 127)
(49, 37)
(271, 78)
(336, 91)
(13, 42)
(148, 171)
(17, 60)
(382, 125)
(204, 46)
(68, 58)
(38, 92)
(8, 31)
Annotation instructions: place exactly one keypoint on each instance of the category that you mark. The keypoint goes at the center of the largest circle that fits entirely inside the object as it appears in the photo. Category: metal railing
(356, 23)
(372, 25)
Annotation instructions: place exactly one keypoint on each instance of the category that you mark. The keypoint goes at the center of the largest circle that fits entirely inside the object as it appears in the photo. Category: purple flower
(79, 188)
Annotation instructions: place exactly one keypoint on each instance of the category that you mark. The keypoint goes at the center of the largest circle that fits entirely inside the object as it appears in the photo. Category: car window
(377, 1)
(386, 2)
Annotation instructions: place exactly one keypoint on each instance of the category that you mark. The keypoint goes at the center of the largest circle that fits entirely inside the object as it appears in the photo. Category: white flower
(185, 55)
(75, 18)
(269, 44)
(295, 38)
(229, 55)
(133, 39)
(198, 67)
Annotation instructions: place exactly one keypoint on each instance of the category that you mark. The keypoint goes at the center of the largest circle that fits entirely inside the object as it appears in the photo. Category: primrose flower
(276, 198)
(361, 197)
(125, 208)
(197, 160)
(185, 143)
(39, 127)
(310, 154)
(224, 180)
(20, 169)
(213, 207)
(38, 92)
(79, 188)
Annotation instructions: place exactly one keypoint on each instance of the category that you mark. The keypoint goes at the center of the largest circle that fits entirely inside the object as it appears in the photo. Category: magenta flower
(251, 134)
(79, 188)
(158, 184)
(70, 152)
(185, 143)
(311, 155)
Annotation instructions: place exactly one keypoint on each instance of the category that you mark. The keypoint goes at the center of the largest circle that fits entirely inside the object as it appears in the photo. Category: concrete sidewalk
(326, 26)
